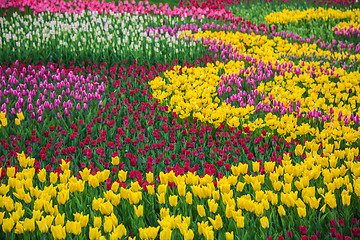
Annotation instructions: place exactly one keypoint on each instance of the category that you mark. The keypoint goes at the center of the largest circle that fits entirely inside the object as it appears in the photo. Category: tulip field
(211, 119)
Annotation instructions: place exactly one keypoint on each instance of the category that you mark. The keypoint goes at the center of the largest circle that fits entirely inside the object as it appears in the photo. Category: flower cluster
(287, 16)
(348, 29)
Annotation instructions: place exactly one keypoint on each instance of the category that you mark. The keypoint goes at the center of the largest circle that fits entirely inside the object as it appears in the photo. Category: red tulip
(333, 223)
(355, 232)
(354, 221)
(341, 222)
(333, 232)
(303, 230)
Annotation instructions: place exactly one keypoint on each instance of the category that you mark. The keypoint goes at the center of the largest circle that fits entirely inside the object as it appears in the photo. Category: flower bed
(125, 121)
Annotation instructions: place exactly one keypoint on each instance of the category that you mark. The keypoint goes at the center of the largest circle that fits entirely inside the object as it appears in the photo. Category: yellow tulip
(42, 175)
(27, 199)
(73, 227)
(103, 175)
(63, 197)
(181, 187)
(173, 200)
(330, 200)
(229, 235)
(189, 235)
(4, 122)
(149, 233)
(115, 161)
(165, 234)
(9, 204)
(150, 177)
(97, 222)
(94, 233)
(240, 221)
(17, 121)
(139, 211)
(37, 214)
(299, 150)
(162, 188)
(120, 231)
(264, 222)
(2, 214)
(108, 225)
(151, 189)
(58, 232)
(259, 209)
(29, 224)
(4, 189)
(7, 225)
(48, 207)
(93, 181)
(189, 198)
(53, 177)
(201, 210)
(83, 219)
(301, 212)
(19, 229)
(106, 208)
(20, 116)
(12, 182)
(314, 203)
(85, 173)
(60, 219)
(135, 197)
(217, 222)
(42, 225)
(115, 187)
(345, 197)
(122, 176)
(213, 206)
(23, 161)
(10, 172)
(164, 212)
(161, 198)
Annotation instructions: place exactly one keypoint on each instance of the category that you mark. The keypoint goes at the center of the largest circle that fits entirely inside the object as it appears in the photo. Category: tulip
(189, 199)
(73, 227)
(82, 219)
(165, 234)
(7, 225)
(94, 233)
(217, 222)
(29, 225)
(139, 211)
(333, 232)
(122, 176)
(60, 219)
(106, 208)
(58, 232)
(173, 200)
(355, 232)
(264, 222)
(201, 210)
